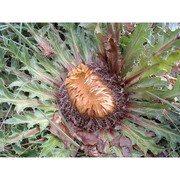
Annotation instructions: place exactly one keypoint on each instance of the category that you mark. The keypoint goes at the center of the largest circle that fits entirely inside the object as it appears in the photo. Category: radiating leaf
(21, 102)
(140, 138)
(53, 147)
(175, 92)
(42, 91)
(173, 136)
(135, 46)
(31, 118)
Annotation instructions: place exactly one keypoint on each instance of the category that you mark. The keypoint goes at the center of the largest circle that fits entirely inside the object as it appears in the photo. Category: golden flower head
(88, 92)
(92, 97)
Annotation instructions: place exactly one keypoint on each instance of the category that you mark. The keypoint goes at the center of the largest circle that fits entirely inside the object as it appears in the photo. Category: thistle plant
(89, 89)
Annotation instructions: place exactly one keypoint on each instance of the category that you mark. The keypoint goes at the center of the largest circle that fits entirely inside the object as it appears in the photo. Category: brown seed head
(88, 93)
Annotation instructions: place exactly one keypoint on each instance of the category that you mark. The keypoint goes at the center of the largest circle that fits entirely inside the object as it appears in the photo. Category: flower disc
(88, 93)
(92, 98)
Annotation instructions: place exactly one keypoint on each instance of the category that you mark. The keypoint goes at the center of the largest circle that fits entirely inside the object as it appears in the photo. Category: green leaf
(1, 140)
(155, 66)
(18, 150)
(30, 62)
(31, 118)
(19, 100)
(42, 91)
(2, 59)
(59, 129)
(135, 47)
(175, 92)
(82, 44)
(93, 35)
(149, 83)
(161, 130)
(25, 152)
(17, 136)
(25, 39)
(173, 117)
(116, 150)
(163, 41)
(139, 137)
(165, 101)
(53, 147)
(64, 56)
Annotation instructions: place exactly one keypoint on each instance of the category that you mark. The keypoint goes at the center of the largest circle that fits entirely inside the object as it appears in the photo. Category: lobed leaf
(135, 46)
(19, 100)
(30, 118)
(42, 91)
(53, 147)
(139, 137)
(172, 136)
(155, 66)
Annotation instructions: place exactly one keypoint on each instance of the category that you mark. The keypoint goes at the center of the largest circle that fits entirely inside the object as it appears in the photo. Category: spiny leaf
(42, 91)
(53, 147)
(161, 41)
(31, 63)
(15, 137)
(149, 112)
(72, 40)
(149, 83)
(30, 151)
(173, 117)
(154, 66)
(160, 66)
(81, 43)
(161, 130)
(116, 150)
(138, 137)
(165, 101)
(135, 47)
(23, 37)
(64, 56)
(175, 92)
(2, 61)
(59, 129)
(31, 118)
(18, 99)
(94, 31)
(50, 66)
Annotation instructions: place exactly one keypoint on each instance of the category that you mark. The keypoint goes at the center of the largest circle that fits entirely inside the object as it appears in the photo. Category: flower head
(95, 97)
(88, 92)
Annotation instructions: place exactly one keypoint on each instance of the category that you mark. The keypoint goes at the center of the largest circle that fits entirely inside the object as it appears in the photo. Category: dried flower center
(88, 93)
